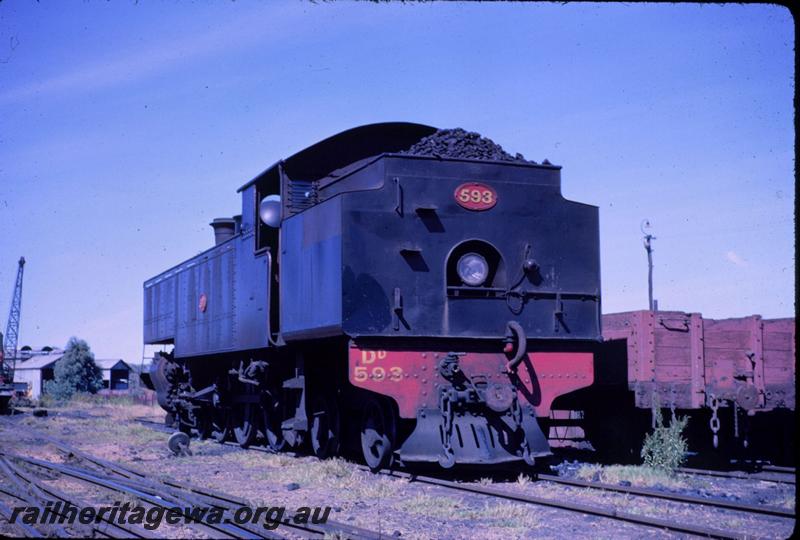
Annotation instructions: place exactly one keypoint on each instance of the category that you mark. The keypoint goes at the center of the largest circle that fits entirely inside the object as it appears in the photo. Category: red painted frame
(411, 378)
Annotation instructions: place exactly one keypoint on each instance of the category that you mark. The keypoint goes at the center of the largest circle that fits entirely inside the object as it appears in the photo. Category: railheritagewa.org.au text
(269, 517)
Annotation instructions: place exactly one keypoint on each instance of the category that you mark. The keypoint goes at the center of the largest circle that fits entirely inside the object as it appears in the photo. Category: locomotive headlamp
(472, 269)
(270, 210)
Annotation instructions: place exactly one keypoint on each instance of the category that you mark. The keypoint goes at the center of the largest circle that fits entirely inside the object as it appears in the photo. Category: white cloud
(734, 258)
(244, 30)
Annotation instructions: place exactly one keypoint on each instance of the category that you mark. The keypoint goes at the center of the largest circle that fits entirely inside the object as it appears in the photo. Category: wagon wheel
(377, 435)
(220, 423)
(178, 443)
(271, 423)
(325, 427)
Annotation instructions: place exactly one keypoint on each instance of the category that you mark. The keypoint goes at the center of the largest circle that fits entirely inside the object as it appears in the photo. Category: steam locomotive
(419, 308)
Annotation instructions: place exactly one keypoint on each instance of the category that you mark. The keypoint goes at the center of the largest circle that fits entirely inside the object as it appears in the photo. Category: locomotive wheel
(271, 423)
(325, 427)
(245, 416)
(244, 424)
(220, 424)
(377, 435)
(204, 426)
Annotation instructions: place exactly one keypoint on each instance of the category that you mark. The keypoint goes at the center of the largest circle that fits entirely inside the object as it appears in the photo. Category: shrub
(46, 400)
(75, 372)
(665, 448)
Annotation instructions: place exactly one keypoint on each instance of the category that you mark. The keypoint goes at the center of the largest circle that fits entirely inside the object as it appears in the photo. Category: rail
(601, 511)
(166, 493)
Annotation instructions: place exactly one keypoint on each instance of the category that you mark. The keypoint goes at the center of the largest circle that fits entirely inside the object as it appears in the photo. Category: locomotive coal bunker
(426, 308)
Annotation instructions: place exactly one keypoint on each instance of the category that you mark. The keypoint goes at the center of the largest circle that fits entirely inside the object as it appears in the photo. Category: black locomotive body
(413, 307)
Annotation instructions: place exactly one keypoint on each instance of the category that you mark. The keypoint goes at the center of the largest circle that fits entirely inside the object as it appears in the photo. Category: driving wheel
(325, 427)
(377, 434)
(204, 426)
(220, 423)
(244, 423)
(271, 422)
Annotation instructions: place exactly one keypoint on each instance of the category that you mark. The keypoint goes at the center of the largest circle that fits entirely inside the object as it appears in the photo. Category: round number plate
(475, 196)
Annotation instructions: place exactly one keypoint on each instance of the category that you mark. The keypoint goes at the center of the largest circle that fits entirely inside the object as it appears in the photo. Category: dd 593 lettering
(374, 366)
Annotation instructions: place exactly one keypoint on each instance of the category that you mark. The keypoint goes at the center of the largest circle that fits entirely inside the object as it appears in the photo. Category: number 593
(377, 373)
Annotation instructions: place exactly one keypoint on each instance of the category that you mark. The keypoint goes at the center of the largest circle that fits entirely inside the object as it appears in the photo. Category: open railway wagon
(734, 379)
(391, 290)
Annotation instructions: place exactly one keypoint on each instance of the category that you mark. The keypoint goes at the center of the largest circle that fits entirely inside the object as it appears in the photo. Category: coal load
(461, 144)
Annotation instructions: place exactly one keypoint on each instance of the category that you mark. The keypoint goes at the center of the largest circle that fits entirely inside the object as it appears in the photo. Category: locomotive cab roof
(346, 148)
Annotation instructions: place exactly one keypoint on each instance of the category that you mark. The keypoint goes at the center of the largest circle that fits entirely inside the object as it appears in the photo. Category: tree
(75, 372)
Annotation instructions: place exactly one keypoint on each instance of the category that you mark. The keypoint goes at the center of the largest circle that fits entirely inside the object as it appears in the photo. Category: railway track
(589, 509)
(21, 486)
(676, 497)
(777, 469)
(611, 513)
(764, 475)
(757, 465)
(220, 499)
(26, 530)
(164, 494)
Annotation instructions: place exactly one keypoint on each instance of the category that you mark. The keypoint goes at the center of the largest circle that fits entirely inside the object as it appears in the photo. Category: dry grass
(788, 500)
(433, 507)
(106, 428)
(505, 514)
(512, 515)
(637, 475)
(84, 401)
(110, 429)
(351, 483)
(523, 480)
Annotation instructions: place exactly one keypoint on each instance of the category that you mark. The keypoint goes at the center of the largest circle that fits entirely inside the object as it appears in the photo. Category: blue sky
(126, 127)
